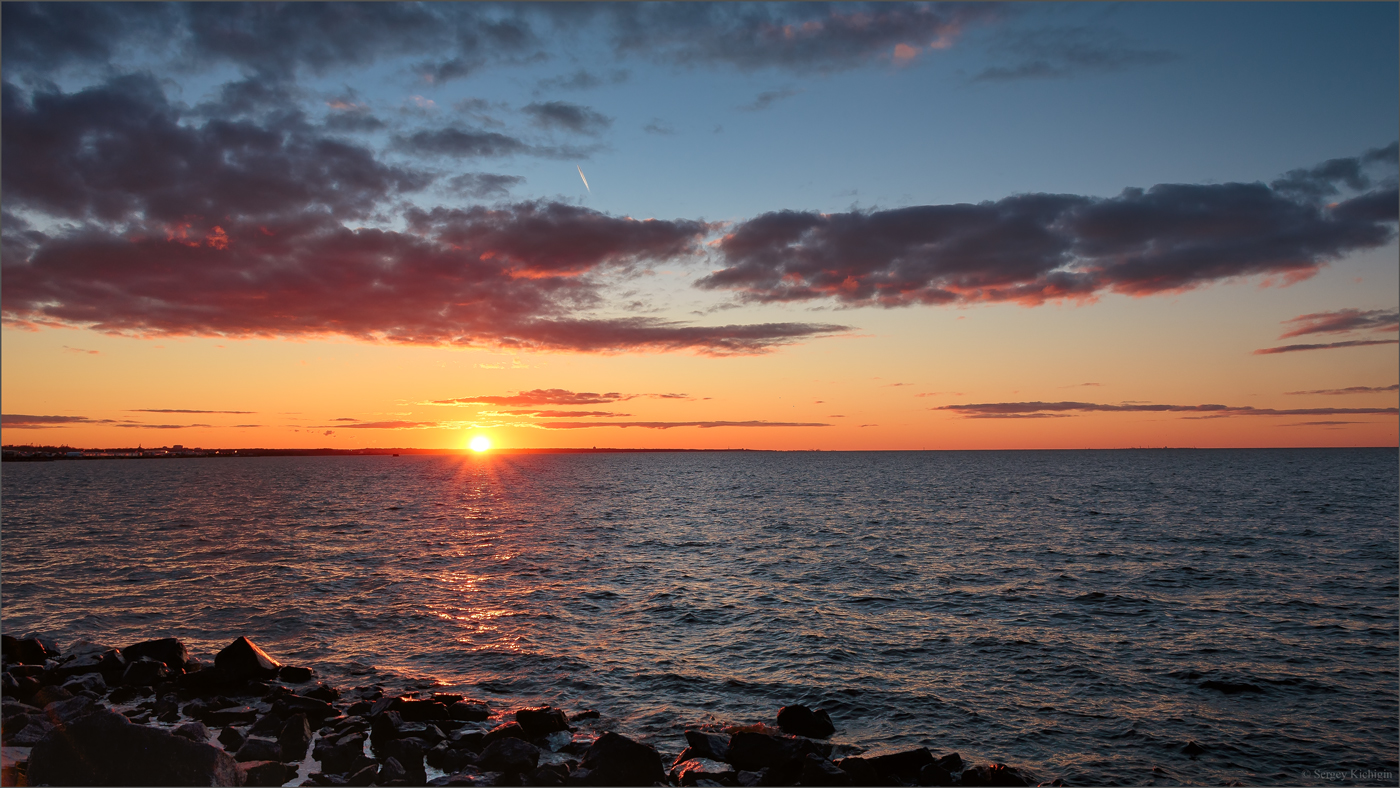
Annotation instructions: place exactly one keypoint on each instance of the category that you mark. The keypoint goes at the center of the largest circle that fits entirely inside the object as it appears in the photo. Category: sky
(652, 225)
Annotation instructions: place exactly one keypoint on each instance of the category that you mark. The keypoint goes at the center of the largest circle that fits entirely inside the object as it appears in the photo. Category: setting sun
(480, 443)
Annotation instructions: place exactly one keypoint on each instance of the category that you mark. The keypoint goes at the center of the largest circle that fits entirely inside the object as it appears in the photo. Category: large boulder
(259, 749)
(242, 659)
(469, 711)
(103, 748)
(901, 767)
(819, 771)
(167, 650)
(295, 737)
(708, 745)
(30, 651)
(802, 721)
(145, 672)
(617, 760)
(752, 751)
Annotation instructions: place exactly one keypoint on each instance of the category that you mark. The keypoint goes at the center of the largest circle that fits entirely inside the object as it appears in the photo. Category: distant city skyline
(643, 225)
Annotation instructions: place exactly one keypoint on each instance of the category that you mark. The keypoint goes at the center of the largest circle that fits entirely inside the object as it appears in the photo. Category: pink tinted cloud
(1001, 410)
(1343, 320)
(1267, 351)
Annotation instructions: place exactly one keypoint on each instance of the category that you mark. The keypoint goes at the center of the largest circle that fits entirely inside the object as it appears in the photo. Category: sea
(1073, 614)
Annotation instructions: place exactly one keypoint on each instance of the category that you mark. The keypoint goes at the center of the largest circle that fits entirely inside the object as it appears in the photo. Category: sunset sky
(805, 226)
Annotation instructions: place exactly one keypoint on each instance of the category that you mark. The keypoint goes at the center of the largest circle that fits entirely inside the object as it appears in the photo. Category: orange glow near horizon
(480, 443)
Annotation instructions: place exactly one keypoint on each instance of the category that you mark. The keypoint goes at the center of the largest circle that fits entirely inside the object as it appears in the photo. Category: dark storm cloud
(1351, 390)
(768, 98)
(1064, 52)
(1031, 248)
(998, 410)
(564, 116)
(1343, 320)
(1357, 173)
(484, 185)
(1268, 351)
(42, 37)
(117, 152)
(510, 277)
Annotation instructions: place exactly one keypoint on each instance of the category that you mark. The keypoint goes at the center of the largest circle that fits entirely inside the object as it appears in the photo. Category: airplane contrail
(585, 180)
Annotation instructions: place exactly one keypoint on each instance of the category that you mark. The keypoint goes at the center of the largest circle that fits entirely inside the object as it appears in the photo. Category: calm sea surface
(1055, 611)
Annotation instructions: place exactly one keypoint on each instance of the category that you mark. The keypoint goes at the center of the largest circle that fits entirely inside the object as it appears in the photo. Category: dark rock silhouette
(802, 721)
(510, 755)
(105, 749)
(167, 650)
(617, 760)
(538, 722)
(242, 659)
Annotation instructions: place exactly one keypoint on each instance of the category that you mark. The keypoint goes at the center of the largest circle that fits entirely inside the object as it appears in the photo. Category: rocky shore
(151, 714)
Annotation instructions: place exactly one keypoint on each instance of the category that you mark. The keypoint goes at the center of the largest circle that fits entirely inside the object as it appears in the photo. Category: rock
(295, 675)
(549, 774)
(510, 755)
(9, 686)
(591, 714)
(1192, 748)
(365, 776)
(194, 731)
(268, 773)
(802, 721)
(935, 774)
(105, 749)
(145, 672)
(1231, 687)
(316, 711)
(232, 738)
(617, 760)
(691, 770)
(230, 715)
(993, 774)
(256, 748)
(537, 722)
(267, 726)
(294, 738)
(63, 712)
(409, 753)
(469, 712)
(747, 779)
(708, 745)
(509, 730)
(47, 695)
(752, 751)
(338, 758)
(390, 771)
(25, 687)
(90, 682)
(30, 651)
(242, 659)
(468, 740)
(952, 762)
(167, 650)
(900, 767)
(34, 731)
(556, 741)
(449, 759)
(322, 692)
(419, 710)
(817, 770)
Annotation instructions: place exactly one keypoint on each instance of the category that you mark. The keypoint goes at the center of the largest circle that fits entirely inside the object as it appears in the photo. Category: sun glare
(480, 443)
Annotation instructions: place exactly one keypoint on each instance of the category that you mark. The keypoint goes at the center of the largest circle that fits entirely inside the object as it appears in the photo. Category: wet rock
(87, 682)
(194, 731)
(256, 748)
(993, 774)
(708, 745)
(1192, 748)
(693, 770)
(294, 738)
(468, 739)
(365, 776)
(952, 762)
(390, 771)
(242, 659)
(752, 751)
(802, 721)
(322, 692)
(46, 695)
(268, 773)
(449, 759)
(539, 721)
(556, 741)
(30, 651)
(1230, 687)
(105, 749)
(469, 712)
(167, 650)
(413, 710)
(617, 760)
(145, 672)
(510, 755)
(935, 774)
(230, 715)
(295, 675)
(590, 714)
(316, 711)
(232, 738)
(509, 730)
(359, 708)
(63, 712)
(817, 770)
